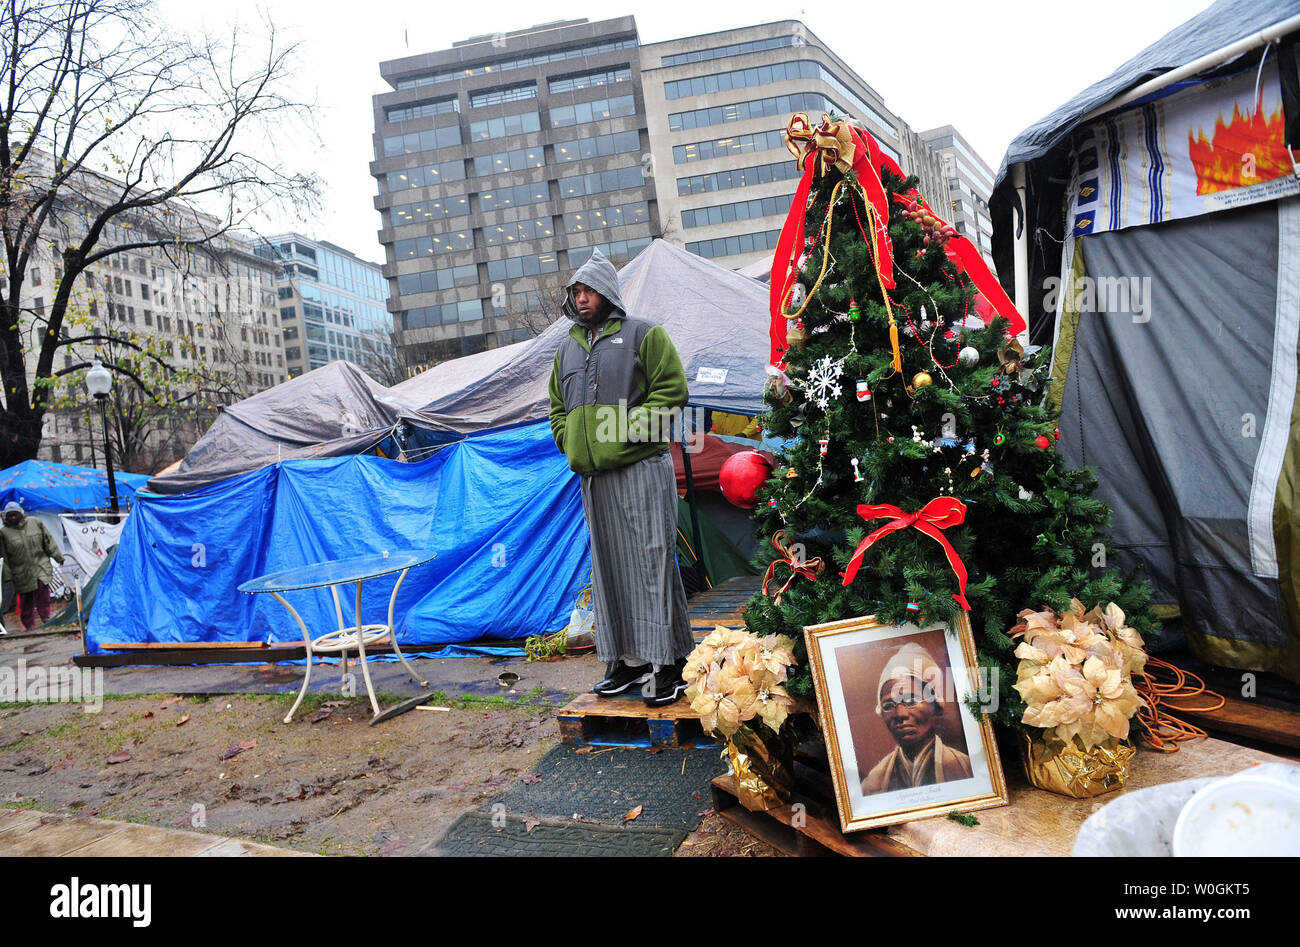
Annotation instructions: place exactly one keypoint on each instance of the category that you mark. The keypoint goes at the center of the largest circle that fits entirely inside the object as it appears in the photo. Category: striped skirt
(637, 592)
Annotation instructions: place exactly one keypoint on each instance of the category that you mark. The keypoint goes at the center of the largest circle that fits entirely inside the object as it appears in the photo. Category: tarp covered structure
(278, 482)
(1166, 236)
(61, 488)
(504, 517)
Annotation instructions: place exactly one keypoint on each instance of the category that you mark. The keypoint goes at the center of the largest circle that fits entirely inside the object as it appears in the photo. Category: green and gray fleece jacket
(612, 401)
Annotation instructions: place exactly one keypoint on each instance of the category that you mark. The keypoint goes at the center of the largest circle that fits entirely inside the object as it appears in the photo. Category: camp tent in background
(1163, 252)
(60, 494)
(485, 487)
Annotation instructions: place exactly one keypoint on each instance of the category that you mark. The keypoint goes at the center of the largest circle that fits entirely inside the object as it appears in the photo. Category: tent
(61, 488)
(281, 480)
(1162, 221)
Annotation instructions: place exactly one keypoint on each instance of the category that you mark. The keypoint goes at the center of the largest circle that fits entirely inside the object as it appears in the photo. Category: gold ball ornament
(922, 380)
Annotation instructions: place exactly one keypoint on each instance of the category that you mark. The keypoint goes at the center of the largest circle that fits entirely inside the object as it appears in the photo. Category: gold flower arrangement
(733, 676)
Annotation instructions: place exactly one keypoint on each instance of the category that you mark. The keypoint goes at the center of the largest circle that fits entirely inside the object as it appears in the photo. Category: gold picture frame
(876, 781)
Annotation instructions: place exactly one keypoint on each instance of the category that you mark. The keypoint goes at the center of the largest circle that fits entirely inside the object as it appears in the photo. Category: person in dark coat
(27, 548)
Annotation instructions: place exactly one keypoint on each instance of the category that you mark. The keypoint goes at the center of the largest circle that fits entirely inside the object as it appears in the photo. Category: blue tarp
(502, 510)
(40, 485)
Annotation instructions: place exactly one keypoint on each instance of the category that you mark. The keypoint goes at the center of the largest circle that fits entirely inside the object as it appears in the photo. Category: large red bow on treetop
(848, 147)
(938, 514)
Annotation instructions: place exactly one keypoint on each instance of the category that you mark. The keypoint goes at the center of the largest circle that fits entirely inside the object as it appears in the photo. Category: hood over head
(600, 275)
(13, 507)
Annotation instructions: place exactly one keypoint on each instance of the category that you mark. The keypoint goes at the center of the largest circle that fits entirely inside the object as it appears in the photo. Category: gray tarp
(716, 318)
(1170, 409)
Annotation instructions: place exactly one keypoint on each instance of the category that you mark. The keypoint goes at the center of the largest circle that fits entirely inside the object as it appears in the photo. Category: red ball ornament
(741, 476)
(1057, 433)
(1042, 442)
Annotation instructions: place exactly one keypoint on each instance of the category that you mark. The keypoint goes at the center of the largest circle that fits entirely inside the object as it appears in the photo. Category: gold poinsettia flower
(774, 705)
(1115, 699)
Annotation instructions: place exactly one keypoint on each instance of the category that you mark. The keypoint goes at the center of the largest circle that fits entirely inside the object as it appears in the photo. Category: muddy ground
(327, 783)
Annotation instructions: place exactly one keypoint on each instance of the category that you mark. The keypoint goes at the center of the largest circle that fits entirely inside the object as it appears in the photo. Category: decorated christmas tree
(922, 476)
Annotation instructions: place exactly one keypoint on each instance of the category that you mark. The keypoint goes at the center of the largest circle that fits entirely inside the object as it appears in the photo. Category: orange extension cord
(1165, 732)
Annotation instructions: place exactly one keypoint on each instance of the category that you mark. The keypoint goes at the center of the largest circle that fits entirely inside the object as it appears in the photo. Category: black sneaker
(668, 686)
(620, 677)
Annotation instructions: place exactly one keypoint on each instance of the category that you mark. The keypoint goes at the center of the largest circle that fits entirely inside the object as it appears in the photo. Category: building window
(427, 176)
(728, 147)
(584, 112)
(598, 147)
(735, 49)
(758, 108)
(516, 231)
(422, 109)
(729, 246)
(430, 140)
(586, 80)
(742, 210)
(516, 93)
(500, 197)
(600, 217)
(504, 127)
(402, 214)
(740, 177)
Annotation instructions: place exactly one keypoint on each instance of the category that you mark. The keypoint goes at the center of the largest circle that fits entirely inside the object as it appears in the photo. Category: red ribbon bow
(809, 568)
(938, 514)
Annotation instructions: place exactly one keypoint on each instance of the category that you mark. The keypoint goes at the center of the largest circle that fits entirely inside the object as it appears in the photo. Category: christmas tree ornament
(1015, 365)
(1056, 434)
(792, 560)
(795, 336)
(791, 474)
(1042, 442)
(823, 381)
(998, 439)
(741, 476)
(779, 384)
(969, 355)
(976, 472)
(857, 476)
(797, 295)
(1026, 494)
(854, 312)
(824, 443)
(922, 380)
(862, 390)
(913, 608)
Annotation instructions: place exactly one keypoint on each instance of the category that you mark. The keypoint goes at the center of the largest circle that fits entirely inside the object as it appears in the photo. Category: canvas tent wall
(1164, 249)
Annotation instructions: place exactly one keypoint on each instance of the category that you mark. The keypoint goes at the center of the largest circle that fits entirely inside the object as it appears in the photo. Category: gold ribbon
(831, 142)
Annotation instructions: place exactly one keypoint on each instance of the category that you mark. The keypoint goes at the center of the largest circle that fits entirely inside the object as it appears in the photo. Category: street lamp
(99, 381)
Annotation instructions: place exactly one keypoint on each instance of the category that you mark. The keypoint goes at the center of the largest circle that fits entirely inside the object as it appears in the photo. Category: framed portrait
(901, 739)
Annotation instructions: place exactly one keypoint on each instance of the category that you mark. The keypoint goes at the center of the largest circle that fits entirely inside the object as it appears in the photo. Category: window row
(757, 108)
(518, 194)
(741, 78)
(729, 246)
(422, 109)
(601, 146)
(436, 243)
(735, 49)
(741, 210)
(516, 160)
(429, 140)
(428, 176)
(618, 251)
(559, 55)
(511, 94)
(518, 230)
(728, 147)
(637, 212)
(446, 314)
(587, 80)
(740, 177)
(584, 112)
(517, 266)
(437, 209)
(503, 127)
(598, 182)
(431, 281)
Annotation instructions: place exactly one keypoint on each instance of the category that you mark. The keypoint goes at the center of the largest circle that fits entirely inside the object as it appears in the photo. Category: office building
(717, 105)
(332, 306)
(969, 183)
(501, 162)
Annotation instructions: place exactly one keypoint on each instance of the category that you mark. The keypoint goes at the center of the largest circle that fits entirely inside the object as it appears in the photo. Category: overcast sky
(990, 68)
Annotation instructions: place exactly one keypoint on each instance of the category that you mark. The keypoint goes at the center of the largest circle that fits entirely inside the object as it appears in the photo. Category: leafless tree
(119, 134)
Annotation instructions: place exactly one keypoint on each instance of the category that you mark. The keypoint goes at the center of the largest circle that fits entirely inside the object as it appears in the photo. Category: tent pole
(690, 501)
(1021, 246)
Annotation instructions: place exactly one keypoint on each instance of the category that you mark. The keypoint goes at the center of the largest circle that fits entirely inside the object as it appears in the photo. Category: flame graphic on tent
(1243, 152)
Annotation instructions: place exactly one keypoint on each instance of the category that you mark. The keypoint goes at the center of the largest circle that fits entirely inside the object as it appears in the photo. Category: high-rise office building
(717, 105)
(332, 306)
(501, 162)
(969, 183)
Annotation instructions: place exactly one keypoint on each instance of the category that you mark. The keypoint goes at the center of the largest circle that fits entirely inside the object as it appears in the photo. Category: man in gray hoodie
(616, 384)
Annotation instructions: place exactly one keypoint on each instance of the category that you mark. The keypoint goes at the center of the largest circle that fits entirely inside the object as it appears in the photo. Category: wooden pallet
(625, 720)
(809, 826)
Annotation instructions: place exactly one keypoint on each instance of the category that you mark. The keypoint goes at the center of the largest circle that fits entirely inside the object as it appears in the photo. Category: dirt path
(326, 783)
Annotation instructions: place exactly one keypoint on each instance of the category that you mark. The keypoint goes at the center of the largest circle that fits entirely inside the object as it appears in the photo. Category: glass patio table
(331, 575)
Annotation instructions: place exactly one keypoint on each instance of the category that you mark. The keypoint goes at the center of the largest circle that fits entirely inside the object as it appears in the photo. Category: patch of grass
(26, 804)
(967, 820)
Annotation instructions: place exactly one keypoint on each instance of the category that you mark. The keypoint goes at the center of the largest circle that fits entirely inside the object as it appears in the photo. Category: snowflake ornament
(823, 381)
